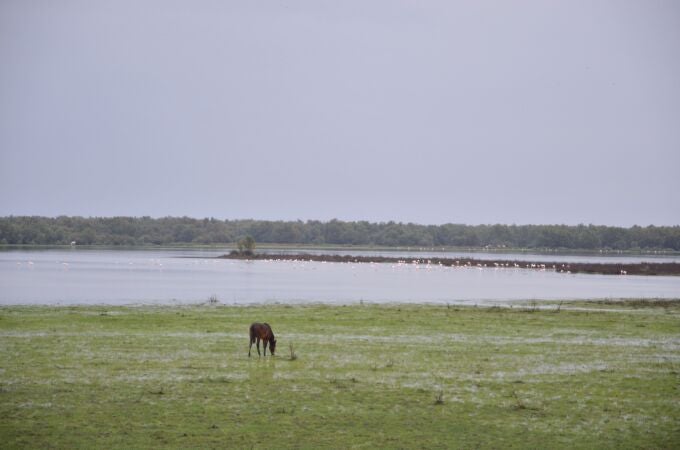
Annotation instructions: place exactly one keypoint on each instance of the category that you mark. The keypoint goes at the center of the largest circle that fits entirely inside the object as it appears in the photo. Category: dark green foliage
(246, 245)
(22, 230)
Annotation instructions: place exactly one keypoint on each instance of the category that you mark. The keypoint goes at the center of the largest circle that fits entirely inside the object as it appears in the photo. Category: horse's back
(261, 330)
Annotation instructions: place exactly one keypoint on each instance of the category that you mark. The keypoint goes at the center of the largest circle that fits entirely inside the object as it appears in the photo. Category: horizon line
(332, 220)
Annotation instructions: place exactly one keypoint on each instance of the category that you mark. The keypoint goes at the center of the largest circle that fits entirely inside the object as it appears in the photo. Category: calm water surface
(186, 276)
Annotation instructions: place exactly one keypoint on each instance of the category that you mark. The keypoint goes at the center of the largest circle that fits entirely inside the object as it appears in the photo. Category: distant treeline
(130, 231)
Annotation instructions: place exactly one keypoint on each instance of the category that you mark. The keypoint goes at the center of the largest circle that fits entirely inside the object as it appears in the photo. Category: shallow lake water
(74, 276)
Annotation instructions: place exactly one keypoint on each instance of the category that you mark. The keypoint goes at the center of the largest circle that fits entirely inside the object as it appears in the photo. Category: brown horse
(262, 332)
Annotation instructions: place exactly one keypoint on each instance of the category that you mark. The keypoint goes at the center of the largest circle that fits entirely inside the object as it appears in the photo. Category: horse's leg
(250, 346)
(258, 347)
(264, 346)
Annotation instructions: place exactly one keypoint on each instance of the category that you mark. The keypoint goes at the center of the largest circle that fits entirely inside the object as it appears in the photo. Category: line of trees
(131, 231)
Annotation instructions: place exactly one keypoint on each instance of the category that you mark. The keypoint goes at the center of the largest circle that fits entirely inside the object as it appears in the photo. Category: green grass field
(365, 376)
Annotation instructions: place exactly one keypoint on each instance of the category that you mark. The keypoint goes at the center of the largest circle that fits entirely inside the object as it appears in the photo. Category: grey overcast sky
(423, 111)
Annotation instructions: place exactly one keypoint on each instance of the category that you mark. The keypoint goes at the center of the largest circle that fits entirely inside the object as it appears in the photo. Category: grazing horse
(262, 332)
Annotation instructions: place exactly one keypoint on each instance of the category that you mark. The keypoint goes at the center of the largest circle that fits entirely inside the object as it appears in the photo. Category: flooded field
(370, 376)
(189, 276)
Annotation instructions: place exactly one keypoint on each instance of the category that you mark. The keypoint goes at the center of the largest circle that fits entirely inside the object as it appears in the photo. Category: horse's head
(272, 346)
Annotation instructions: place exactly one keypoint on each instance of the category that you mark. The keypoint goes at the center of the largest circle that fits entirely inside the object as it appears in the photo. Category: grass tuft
(439, 397)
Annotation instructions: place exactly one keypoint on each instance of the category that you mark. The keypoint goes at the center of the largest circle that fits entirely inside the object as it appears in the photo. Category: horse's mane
(270, 330)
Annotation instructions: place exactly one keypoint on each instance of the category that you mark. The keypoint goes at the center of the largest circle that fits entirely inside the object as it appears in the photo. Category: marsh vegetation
(614, 268)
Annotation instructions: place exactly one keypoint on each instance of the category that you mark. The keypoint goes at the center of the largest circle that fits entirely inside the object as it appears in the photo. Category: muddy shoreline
(643, 268)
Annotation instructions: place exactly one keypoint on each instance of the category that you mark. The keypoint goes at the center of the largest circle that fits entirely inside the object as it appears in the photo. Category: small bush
(519, 404)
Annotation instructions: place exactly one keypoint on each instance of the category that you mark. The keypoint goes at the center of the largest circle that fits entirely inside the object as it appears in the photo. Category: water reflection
(128, 277)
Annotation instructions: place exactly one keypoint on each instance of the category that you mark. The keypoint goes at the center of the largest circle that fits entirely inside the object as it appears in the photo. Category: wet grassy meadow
(558, 375)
